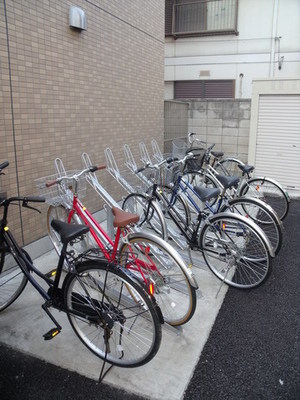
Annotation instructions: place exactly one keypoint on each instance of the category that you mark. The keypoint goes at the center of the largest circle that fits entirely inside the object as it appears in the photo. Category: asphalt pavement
(253, 350)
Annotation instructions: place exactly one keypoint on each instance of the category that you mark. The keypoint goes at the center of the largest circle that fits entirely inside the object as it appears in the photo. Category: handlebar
(191, 140)
(168, 160)
(92, 168)
(4, 165)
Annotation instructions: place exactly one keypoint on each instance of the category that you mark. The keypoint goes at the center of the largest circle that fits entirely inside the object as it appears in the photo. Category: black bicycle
(109, 311)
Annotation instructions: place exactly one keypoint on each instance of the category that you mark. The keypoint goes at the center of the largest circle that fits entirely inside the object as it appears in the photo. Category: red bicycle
(150, 258)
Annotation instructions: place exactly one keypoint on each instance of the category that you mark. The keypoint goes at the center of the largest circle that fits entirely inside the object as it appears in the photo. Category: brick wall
(64, 92)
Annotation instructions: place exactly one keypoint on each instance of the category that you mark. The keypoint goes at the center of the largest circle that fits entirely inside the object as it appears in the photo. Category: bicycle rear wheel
(235, 251)
(111, 314)
(270, 192)
(161, 265)
(260, 213)
(12, 280)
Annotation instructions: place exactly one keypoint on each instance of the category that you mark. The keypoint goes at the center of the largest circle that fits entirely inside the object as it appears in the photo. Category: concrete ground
(24, 323)
(250, 347)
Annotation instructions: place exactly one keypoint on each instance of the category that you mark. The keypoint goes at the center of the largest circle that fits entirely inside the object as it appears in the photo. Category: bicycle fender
(173, 253)
(259, 202)
(265, 178)
(158, 209)
(253, 225)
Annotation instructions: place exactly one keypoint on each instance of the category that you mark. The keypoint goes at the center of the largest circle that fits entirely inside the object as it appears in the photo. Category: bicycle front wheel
(149, 218)
(202, 179)
(235, 251)
(229, 167)
(270, 192)
(161, 265)
(111, 314)
(12, 280)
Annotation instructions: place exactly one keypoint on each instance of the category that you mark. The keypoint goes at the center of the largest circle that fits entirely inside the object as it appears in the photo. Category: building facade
(215, 48)
(65, 91)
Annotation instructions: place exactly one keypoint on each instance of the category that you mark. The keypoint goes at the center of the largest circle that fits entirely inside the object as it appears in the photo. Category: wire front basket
(196, 163)
(62, 193)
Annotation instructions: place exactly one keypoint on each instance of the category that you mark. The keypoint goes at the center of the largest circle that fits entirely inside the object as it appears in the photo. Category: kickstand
(222, 283)
(102, 373)
(190, 257)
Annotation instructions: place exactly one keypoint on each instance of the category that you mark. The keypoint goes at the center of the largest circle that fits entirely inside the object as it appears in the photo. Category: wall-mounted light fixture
(77, 18)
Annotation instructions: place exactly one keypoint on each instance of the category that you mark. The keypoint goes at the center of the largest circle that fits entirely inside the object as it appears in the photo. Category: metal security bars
(204, 17)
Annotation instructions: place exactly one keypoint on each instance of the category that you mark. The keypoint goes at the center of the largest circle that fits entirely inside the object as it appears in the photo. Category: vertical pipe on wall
(12, 113)
(273, 38)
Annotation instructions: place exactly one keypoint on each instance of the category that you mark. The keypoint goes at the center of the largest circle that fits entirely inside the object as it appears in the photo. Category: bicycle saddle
(228, 181)
(67, 231)
(206, 193)
(217, 154)
(246, 168)
(123, 218)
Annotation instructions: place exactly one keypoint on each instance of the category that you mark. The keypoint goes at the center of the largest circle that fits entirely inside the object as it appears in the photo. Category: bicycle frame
(108, 246)
(9, 243)
(188, 232)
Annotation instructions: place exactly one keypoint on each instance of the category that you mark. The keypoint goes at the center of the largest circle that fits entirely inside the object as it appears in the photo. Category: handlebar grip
(169, 160)
(94, 168)
(140, 170)
(51, 183)
(4, 165)
(35, 199)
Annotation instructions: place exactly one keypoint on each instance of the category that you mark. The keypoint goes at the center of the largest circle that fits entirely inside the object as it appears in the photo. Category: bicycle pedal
(51, 334)
(51, 273)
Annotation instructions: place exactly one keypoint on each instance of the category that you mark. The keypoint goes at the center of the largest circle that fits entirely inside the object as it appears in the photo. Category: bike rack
(148, 182)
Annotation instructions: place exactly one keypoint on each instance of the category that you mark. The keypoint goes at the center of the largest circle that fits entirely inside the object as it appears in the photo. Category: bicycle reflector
(151, 288)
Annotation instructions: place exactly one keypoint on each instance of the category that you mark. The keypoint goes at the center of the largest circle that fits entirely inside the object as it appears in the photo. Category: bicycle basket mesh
(179, 148)
(60, 194)
(196, 163)
(170, 174)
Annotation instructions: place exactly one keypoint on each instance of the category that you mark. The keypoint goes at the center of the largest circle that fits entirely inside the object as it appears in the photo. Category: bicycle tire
(12, 280)
(135, 336)
(269, 191)
(149, 258)
(235, 251)
(61, 213)
(229, 167)
(200, 178)
(260, 213)
(138, 204)
(179, 206)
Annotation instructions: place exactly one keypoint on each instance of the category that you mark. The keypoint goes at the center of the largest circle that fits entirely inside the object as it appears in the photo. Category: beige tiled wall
(64, 92)
(224, 122)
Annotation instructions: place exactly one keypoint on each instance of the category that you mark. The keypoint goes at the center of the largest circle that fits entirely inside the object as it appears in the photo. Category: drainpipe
(273, 39)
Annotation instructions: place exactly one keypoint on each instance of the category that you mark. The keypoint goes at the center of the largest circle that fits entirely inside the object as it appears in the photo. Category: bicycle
(191, 187)
(159, 268)
(110, 313)
(263, 188)
(235, 249)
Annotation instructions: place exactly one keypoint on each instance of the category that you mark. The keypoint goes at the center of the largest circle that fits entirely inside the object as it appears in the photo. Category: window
(205, 89)
(201, 17)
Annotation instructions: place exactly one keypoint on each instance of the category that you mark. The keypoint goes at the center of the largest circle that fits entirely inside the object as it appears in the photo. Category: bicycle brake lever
(25, 205)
